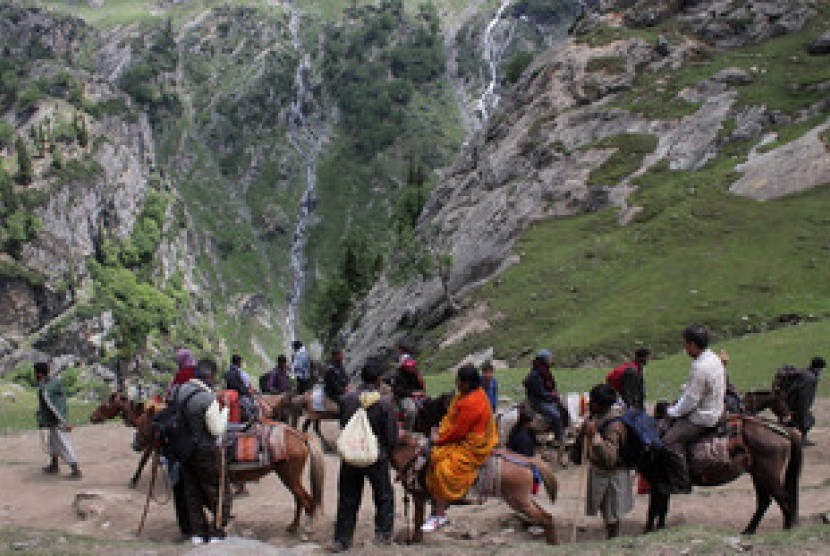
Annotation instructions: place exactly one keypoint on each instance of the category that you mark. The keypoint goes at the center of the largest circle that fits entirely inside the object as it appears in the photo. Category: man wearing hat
(610, 488)
(540, 389)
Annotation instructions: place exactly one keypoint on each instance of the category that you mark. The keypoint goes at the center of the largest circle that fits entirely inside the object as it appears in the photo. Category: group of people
(459, 446)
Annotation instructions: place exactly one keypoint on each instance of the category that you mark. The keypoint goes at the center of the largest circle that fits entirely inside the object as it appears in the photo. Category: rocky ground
(46, 515)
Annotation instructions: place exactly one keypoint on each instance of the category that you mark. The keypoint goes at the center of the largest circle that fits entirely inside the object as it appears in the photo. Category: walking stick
(218, 513)
(583, 480)
(153, 474)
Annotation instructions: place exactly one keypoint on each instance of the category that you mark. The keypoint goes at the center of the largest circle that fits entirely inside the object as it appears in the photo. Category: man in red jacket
(627, 379)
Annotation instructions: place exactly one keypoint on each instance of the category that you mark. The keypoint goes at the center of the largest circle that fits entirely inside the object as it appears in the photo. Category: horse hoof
(293, 528)
(133, 484)
(748, 532)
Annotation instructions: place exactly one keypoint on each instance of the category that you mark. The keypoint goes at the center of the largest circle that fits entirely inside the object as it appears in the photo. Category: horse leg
(419, 502)
(762, 502)
(141, 463)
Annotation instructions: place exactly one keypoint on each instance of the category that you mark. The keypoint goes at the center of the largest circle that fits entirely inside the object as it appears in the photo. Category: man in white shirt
(699, 408)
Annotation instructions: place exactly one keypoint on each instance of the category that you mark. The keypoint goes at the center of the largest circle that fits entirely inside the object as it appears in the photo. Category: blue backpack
(642, 438)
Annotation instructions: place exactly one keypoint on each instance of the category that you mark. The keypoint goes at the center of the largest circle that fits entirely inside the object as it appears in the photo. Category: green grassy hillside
(589, 288)
(754, 359)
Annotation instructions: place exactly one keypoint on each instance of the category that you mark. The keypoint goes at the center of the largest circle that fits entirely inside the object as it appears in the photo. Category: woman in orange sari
(463, 442)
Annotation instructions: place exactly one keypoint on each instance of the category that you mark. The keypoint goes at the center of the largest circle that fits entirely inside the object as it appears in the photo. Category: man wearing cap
(610, 488)
(540, 390)
(408, 385)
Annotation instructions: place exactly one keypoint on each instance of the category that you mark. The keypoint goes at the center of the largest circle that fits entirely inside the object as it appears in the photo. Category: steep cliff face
(552, 149)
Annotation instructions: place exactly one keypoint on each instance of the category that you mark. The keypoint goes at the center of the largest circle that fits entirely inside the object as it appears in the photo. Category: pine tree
(25, 172)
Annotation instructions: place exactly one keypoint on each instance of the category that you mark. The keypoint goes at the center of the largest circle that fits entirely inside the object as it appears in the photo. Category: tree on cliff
(25, 172)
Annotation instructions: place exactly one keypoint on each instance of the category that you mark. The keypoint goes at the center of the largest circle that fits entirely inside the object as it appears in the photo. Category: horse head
(431, 412)
(114, 406)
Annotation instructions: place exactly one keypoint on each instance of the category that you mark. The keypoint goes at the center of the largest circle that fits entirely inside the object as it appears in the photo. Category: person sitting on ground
(699, 408)
(610, 486)
(335, 380)
(490, 385)
(540, 389)
(201, 471)
(380, 411)
(408, 385)
(732, 399)
(522, 438)
(53, 414)
(628, 380)
(464, 440)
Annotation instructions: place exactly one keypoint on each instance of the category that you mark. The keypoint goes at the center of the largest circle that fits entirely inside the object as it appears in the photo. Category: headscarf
(543, 367)
(185, 359)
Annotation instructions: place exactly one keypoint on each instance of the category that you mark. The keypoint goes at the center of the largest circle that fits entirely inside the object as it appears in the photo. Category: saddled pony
(774, 463)
(298, 449)
(515, 485)
(756, 401)
(295, 406)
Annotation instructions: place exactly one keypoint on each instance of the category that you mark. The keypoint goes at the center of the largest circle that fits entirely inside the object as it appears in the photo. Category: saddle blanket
(720, 456)
(260, 446)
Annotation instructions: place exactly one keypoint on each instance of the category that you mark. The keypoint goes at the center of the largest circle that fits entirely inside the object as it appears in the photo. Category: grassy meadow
(20, 414)
(753, 361)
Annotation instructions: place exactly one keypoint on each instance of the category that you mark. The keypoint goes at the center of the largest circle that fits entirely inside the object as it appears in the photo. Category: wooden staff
(583, 480)
(153, 474)
(218, 513)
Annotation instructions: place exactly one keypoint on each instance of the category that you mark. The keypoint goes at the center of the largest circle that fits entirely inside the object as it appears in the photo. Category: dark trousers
(180, 503)
(682, 433)
(200, 475)
(350, 493)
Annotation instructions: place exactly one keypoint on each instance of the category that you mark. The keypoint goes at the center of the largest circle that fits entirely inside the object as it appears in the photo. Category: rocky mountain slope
(640, 89)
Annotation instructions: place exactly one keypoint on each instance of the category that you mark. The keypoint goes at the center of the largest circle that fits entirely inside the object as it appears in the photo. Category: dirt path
(28, 499)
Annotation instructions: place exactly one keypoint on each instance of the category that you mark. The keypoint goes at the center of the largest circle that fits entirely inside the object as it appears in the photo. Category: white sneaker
(197, 540)
(434, 523)
(214, 540)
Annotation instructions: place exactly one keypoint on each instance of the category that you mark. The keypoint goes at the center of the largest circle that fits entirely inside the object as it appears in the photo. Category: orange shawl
(466, 437)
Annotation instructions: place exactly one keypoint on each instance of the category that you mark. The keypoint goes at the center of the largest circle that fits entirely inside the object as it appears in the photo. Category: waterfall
(307, 144)
(493, 51)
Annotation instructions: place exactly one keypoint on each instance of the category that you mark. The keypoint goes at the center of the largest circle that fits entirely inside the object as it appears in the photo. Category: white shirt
(702, 399)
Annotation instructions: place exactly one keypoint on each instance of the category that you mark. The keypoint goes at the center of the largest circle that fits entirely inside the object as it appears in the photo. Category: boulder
(733, 76)
(821, 45)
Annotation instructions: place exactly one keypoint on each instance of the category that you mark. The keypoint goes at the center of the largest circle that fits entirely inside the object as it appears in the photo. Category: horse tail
(317, 469)
(549, 480)
(792, 475)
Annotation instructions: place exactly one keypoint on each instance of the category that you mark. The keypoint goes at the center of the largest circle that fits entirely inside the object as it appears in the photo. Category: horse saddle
(720, 455)
(248, 446)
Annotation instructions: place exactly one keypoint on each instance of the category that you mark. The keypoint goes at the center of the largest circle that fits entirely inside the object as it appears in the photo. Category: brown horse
(294, 406)
(775, 460)
(298, 448)
(758, 400)
(515, 485)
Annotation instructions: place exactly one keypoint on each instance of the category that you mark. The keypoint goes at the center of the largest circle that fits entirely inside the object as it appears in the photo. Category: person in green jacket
(52, 414)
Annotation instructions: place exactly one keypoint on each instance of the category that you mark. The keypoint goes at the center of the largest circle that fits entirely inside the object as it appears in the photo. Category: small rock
(821, 45)
(733, 76)
(23, 545)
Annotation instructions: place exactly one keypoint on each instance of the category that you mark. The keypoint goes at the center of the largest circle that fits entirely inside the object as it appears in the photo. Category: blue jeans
(551, 414)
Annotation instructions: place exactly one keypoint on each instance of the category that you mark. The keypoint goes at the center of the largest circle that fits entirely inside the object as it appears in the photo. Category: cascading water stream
(307, 145)
(493, 53)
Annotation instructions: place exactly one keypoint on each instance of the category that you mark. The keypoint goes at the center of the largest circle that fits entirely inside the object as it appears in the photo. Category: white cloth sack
(357, 444)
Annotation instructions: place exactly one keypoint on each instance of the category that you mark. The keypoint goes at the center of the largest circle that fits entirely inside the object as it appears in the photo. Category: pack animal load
(721, 456)
(642, 440)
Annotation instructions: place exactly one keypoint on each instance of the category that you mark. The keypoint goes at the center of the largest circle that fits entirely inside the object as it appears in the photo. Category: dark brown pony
(299, 448)
(515, 486)
(775, 461)
(756, 401)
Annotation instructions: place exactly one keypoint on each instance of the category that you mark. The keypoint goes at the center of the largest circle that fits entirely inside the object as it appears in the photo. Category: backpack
(172, 429)
(642, 437)
(357, 444)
